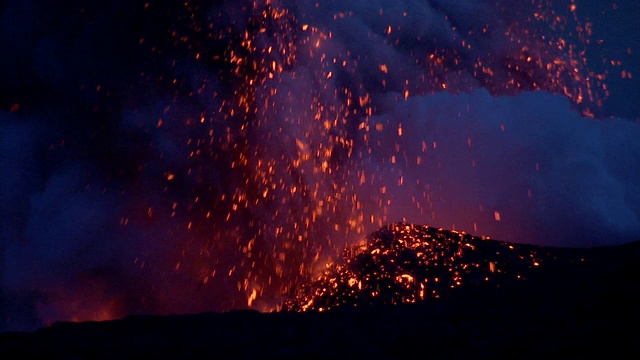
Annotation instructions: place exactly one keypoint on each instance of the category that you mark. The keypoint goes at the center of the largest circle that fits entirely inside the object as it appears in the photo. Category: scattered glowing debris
(404, 263)
(266, 113)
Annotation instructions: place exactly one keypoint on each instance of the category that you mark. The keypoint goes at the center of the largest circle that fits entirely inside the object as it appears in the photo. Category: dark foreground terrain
(566, 309)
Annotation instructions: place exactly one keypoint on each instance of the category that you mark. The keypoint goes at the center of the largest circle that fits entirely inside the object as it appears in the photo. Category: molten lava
(248, 141)
(292, 125)
(404, 263)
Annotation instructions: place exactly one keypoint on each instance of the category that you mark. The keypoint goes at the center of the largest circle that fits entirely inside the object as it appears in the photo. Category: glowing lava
(248, 141)
(404, 263)
(292, 128)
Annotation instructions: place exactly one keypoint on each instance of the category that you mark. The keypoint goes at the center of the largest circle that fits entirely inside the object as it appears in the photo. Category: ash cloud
(525, 168)
(103, 151)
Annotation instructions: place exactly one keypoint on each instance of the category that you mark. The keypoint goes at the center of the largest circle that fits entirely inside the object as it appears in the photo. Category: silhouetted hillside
(576, 303)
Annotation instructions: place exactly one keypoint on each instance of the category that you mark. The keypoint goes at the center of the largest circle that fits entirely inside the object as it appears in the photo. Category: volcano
(405, 263)
(409, 291)
(198, 156)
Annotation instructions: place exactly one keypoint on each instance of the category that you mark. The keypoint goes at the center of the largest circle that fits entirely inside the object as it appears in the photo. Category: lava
(258, 137)
(294, 127)
(406, 263)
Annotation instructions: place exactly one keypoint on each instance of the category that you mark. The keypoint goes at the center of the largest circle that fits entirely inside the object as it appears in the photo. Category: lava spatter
(212, 155)
(406, 263)
(294, 124)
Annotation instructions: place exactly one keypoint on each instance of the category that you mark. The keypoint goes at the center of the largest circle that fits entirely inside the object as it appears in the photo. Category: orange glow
(292, 149)
(404, 263)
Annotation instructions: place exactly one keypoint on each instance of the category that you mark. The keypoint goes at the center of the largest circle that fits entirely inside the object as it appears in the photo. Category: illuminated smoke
(210, 155)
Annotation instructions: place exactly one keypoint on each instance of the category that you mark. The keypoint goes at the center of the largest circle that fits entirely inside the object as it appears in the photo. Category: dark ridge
(407, 263)
(577, 303)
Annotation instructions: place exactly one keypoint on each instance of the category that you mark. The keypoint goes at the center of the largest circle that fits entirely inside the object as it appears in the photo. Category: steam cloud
(114, 194)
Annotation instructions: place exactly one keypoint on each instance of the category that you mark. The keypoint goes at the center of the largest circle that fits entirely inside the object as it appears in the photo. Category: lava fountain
(257, 139)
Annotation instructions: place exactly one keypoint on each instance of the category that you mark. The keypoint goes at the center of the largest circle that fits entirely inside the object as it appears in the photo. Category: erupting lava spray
(313, 164)
(253, 140)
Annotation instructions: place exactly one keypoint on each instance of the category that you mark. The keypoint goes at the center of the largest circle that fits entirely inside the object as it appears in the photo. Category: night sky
(175, 157)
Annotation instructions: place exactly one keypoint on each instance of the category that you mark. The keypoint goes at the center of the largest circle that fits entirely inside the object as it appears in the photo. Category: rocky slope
(576, 303)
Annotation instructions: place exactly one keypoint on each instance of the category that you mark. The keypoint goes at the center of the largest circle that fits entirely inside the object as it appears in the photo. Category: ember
(405, 263)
